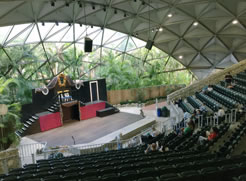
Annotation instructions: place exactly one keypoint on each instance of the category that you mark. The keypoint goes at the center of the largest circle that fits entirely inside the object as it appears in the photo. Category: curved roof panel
(200, 34)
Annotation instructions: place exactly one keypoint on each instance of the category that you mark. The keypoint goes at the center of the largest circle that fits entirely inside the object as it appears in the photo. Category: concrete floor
(85, 131)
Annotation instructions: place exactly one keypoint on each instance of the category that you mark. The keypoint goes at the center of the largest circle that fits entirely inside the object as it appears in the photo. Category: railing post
(235, 118)
(230, 117)
(45, 155)
(5, 166)
(201, 120)
(33, 158)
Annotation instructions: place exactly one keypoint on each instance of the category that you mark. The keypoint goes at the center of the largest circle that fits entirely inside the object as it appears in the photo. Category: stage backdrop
(41, 102)
(83, 94)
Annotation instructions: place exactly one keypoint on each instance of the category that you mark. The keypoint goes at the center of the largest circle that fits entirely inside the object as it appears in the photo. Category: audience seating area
(133, 164)
(212, 104)
(184, 160)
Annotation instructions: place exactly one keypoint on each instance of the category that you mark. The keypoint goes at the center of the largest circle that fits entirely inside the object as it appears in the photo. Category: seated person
(155, 132)
(230, 86)
(221, 114)
(210, 88)
(147, 139)
(228, 79)
(187, 115)
(210, 135)
(202, 108)
(152, 147)
(205, 89)
(188, 129)
(163, 148)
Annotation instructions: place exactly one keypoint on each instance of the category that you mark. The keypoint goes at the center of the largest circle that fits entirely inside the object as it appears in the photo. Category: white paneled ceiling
(201, 34)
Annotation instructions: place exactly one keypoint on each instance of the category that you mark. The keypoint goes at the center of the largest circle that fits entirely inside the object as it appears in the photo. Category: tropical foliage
(138, 68)
(13, 93)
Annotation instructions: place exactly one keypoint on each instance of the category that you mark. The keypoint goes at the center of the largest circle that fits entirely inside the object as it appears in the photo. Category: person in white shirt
(221, 114)
(203, 108)
(210, 88)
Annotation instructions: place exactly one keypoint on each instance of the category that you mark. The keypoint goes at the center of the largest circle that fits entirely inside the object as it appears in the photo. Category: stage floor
(85, 131)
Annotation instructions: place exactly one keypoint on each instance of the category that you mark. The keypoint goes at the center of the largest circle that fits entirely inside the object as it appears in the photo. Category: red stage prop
(89, 111)
(50, 121)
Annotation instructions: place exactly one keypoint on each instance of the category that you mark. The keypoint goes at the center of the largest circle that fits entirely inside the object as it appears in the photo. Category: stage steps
(27, 125)
(54, 108)
(107, 111)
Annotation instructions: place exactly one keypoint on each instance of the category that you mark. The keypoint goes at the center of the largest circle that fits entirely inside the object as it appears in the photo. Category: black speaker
(149, 44)
(88, 44)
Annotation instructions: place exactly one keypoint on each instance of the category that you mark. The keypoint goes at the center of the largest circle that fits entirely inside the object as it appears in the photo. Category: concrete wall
(9, 159)
(212, 79)
(117, 96)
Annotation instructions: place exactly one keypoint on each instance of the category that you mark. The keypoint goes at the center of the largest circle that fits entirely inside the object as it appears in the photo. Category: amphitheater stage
(91, 130)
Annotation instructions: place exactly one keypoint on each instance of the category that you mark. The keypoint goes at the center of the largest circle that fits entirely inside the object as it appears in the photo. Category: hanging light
(52, 3)
(195, 23)
(80, 4)
(235, 21)
(170, 15)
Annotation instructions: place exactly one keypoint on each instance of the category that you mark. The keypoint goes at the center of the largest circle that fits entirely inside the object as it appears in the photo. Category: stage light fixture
(93, 7)
(170, 15)
(91, 26)
(235, 21)
(69, 24)
(57, 24)
(80, 24)
(104, 8)
(115, 11)
(181, 57)
(43, 24)
(143, 2)
(160, 29)
(80, 4)
(195, 23)
(125, 14)
(67, 4)
(52, 3)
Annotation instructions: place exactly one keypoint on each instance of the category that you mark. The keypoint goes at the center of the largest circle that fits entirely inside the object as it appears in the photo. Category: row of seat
(228, 146)
(226, 101)
(240, 178)
(241, 75)
(156, 168)
(223, 128)
(184, 107)
(212, 104)
(230, 93)
(240, 81)
(239, 88)
(194, 102)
